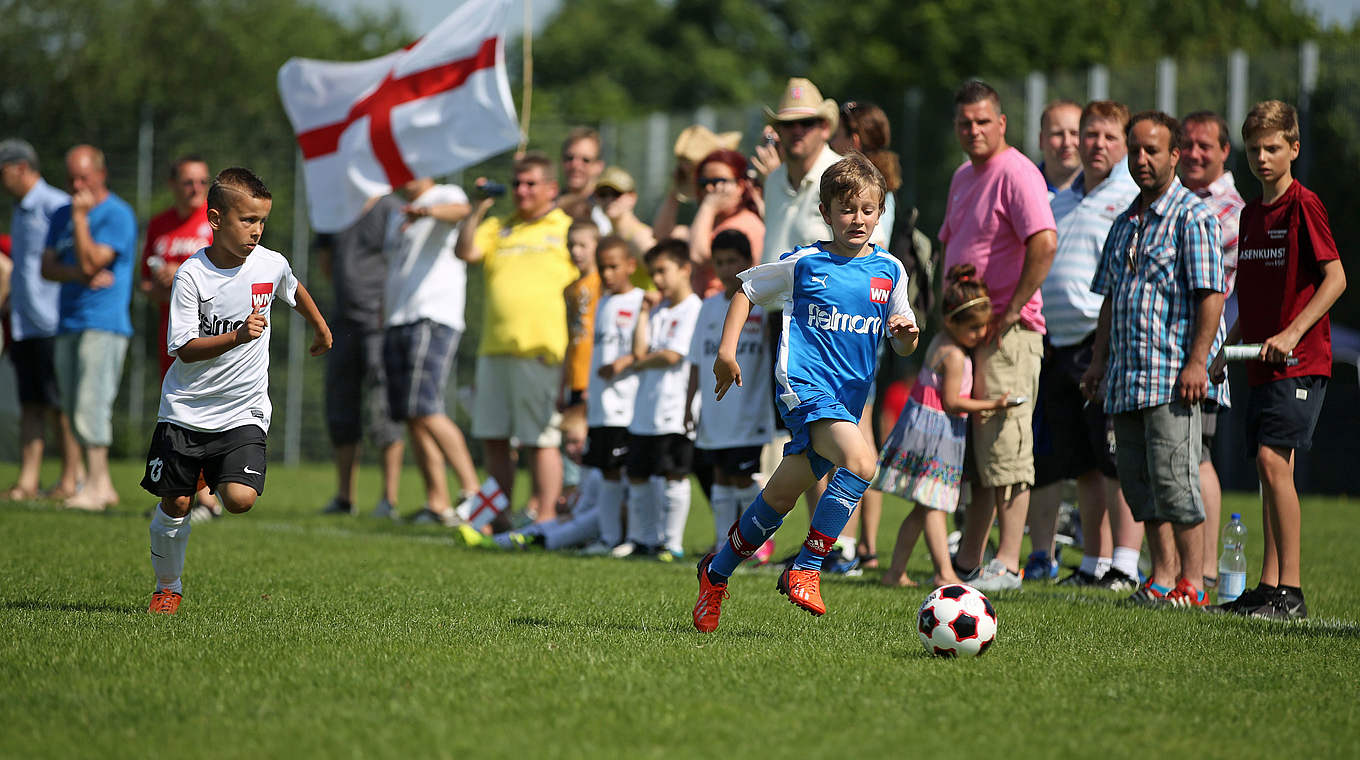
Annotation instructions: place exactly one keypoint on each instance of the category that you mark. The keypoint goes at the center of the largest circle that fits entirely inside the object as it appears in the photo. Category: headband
(967, 305)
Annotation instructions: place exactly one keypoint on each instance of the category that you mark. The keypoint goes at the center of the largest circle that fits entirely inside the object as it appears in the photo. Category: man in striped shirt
(1204, 155)
(1161, 272)
(1071, 437)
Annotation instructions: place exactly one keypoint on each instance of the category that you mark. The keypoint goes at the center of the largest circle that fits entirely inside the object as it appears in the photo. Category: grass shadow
(34, 605)
(678, 627)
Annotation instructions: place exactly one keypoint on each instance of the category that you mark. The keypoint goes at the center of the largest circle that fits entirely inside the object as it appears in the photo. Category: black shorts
(177, 455)
(35, 371)
(1071, 437)
(606, 448)
(1283, 413)
(664, 455)
(742, 461)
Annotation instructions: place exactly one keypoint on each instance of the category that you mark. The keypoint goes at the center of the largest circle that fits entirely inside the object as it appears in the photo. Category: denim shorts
(89, 366)
(418, 358)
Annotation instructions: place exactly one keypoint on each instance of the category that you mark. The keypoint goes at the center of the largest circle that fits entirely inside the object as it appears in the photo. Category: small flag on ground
(485, 505)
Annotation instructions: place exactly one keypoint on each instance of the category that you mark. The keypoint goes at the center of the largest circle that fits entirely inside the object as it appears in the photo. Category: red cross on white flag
(434, 107)
(485, 505)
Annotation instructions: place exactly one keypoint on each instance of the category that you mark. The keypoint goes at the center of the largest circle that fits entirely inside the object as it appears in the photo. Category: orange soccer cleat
(711, 596)
(164, 602)
(804, 589)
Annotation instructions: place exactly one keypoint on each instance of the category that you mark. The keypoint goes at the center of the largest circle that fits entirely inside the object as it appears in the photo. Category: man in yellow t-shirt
(526, 266)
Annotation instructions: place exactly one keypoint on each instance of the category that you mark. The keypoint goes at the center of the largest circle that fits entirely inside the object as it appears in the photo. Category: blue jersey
(835, 312)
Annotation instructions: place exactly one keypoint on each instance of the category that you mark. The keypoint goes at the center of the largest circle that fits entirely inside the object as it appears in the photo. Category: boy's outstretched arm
(321, 343)
(725, 367)
(1277, 347)
(903, 334)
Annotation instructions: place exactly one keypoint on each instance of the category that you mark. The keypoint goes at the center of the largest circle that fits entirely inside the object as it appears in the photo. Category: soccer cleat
(1114, 579)
(1082, 579)
(1246, 603)
(1282, 605)
(764, 554)
(1147, 596)
(626, 549)
(472, 538)
(338, 506)
(596, 549)
(1039, 567)
(385, 510)
(201, 514)
(804, 589)
(996, 577)
(708, 607)
(836, 564)
(1186, 596)
(164, 602)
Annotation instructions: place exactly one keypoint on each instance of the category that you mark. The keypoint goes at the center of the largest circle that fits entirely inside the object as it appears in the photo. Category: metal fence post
(1237, 94)
(1036, 90)
(1166, 85)
(146, 139)
(297, 329)
(1308, 78)
(1098, 83)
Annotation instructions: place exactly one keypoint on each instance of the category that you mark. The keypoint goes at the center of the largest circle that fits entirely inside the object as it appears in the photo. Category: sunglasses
(809, 123)
(607, 194)
(572, 158)
(714, 181)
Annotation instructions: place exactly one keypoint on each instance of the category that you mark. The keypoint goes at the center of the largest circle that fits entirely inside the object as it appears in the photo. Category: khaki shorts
(1158, 451)
(1003, 441)
(89, 365)
(517, 398)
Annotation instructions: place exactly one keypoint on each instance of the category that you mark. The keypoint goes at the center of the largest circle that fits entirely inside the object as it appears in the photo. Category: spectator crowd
(1079, 341)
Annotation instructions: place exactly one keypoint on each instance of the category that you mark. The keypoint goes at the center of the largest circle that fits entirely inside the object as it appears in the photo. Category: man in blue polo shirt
(33, 320)
(1161, 272)
(90, 249)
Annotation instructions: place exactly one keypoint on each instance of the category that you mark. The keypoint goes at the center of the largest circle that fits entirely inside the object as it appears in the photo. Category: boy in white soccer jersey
(838, 298)
(732, 431)
(215, 406)
(611, 389)
(661, 435)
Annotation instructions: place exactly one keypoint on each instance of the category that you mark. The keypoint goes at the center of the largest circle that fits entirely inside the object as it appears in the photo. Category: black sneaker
(967, 576)
(338, 506)
(1115, 579)
(1080, 578)
(1284, 605)
(1245, 604)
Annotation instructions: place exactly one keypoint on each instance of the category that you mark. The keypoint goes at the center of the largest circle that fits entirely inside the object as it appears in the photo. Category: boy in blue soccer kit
(839, 298)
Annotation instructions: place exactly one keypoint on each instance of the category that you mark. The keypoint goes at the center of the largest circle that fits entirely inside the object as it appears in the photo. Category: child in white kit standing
(611, 390)
(922, 460)
(732, 431)
(215, 408)
(661, 435)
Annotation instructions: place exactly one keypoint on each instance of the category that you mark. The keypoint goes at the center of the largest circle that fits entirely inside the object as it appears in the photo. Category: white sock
(1102, 566)
(1125, 560)
(675, 513)
(724, 503)
(658, 533)
(847, 544)
(641, 512)
(169, 542)
(579, 529)
(609, 514)
(1088, 564)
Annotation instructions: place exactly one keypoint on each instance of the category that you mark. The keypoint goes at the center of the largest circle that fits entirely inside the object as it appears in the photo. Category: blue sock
(755, 527)
(833, 511)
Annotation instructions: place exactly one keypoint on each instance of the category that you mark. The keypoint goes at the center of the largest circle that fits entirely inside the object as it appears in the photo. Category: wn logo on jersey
(879, 288)
(838, 321)
(260, 295)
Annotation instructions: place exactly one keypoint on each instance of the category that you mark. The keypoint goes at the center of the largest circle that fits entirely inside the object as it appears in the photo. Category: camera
(491, 189)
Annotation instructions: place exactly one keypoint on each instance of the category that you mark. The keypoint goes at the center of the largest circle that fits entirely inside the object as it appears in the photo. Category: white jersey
(232, 389)
(663, 397)
(609, 403)
(425, 280)
(745, 416)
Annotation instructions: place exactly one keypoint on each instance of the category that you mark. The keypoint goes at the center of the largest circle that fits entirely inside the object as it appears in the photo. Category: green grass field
(304, 636)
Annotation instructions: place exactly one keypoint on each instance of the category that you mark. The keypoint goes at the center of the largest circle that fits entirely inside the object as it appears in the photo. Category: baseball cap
(617, 179)
(14, 150)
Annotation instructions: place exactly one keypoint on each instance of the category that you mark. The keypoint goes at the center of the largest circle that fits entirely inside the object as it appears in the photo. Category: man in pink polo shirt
(998, 219)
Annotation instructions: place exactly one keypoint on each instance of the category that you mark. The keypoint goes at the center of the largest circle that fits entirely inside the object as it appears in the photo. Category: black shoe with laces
(1245, 604)
(1115, 579)
(1284, 604)
(1081, 578)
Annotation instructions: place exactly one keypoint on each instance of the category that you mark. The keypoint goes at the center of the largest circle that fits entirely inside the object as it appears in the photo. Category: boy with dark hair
(1289, 274)
(215, 408)
(661, 435)
(611, 391)
(839, 298)
(582, 239)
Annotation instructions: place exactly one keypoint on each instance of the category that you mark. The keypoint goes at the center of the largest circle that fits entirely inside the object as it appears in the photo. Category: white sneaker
(201, 514)
(625, 549)
(596, 549)
(386, 510)
(995, 577)
(427, 516)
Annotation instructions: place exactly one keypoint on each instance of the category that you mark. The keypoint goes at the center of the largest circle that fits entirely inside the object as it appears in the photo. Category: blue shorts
(814, 406)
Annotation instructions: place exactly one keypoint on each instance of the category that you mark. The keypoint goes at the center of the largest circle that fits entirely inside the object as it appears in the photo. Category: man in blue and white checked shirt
(1161, 272)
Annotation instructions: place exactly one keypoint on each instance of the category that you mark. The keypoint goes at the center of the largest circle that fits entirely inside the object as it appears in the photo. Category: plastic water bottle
(1232, 563)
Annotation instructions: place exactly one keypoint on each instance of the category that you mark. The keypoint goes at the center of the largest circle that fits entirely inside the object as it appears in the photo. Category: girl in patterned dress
(922, 459)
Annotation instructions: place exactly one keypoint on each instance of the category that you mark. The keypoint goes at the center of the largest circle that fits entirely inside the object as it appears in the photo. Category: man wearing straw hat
(804, 122)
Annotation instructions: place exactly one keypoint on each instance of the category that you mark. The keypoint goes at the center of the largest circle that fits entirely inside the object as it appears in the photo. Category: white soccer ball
(956, 621)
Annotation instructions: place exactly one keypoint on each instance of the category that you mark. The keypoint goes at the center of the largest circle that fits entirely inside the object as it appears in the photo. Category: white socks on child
(724, 503)
(641, 512)
(169, 542)
(610, 517)
(1125, 560)
(675, 513)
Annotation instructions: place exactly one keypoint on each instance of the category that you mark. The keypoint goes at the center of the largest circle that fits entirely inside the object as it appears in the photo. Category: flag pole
(527, 97)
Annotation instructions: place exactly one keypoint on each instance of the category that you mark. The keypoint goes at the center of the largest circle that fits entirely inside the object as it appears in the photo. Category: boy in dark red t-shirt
(1289, 275)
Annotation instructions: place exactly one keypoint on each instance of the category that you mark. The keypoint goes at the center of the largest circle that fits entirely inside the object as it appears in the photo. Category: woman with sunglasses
(726, 202)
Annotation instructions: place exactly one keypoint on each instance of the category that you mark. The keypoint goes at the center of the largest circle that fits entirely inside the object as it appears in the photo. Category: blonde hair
(1272, 116)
